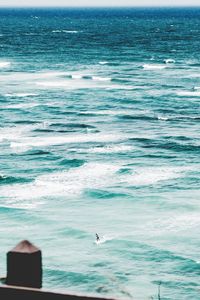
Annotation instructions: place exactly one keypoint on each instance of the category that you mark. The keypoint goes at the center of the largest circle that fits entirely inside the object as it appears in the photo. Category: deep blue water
(100, 132)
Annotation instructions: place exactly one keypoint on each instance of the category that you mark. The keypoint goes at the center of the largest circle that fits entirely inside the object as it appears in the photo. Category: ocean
(100, 133)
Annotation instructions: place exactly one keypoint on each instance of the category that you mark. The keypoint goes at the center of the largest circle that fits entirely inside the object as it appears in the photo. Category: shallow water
(99, 132)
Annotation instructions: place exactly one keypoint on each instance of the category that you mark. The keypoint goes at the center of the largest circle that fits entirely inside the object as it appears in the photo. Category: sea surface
(100, 133)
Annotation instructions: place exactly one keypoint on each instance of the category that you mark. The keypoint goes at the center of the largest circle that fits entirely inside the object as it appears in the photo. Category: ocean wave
(71, 81)
(154, 67)
(113, 112)
(189, 93)
(54, 84)
(163, 118)
(137, 117)
(11, 180)
(178, 223)
(196, 88)
(91, 77)
(76, 76)
(70, 31)
(26, 122)
(64, 31)
(178, 118)
(111, 149)
(171, 146)
(30, 142)
(21, 105)
(72, 163)
(72, 125)
(5, 64)
(97, 78)
(151, 176)
(169, 61)
(64, 84)
(16, 132)
(103, 62)
(38, 152)
(21, 95)
(66, 183)
(104, 194)
(49, 74)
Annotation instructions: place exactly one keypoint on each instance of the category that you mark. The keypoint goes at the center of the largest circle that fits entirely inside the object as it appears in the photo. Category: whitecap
(76, 76)
(70, 31)
(103, 62)
(30, 142)
(179, 223)
(153, 67)
(97, 78)
(22, 105)
(150, 176)
(169, 61)
(53, 84)
(16, 132)
(66, 183)
(162, 118)
(50, 74)
(111, 149)
(21, 95)
(65, 31)
(188, 93)
(5, 64)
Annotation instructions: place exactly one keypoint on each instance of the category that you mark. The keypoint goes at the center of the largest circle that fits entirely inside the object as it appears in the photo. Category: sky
(100, 3)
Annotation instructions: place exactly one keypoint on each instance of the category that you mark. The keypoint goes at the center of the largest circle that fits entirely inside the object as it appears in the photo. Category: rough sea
(100, 133)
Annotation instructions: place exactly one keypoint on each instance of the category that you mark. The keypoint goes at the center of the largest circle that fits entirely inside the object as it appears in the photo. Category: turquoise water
(100, 132)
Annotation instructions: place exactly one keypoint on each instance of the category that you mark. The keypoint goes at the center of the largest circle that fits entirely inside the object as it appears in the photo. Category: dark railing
(24, 277)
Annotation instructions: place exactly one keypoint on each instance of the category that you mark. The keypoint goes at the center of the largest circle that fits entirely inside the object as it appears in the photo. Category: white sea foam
(22, 105)
(189, 93)
(122, 87)
(70, 31)
(104, 239)
(103, 62)
(21, 95)
(30, 142)
(66, 183)
(50, 74)
(78, 81)
(5, 64)
(179, 223)
(97, 78)
(65, 31)
(22, 204)
(169, 61)
(15, 133)
(111, 149)
(110, 112)
(193, 75)
(53, 84)
(149, 176)
(87, 76)
(163, 118)
(153, 67)
(77, 76)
